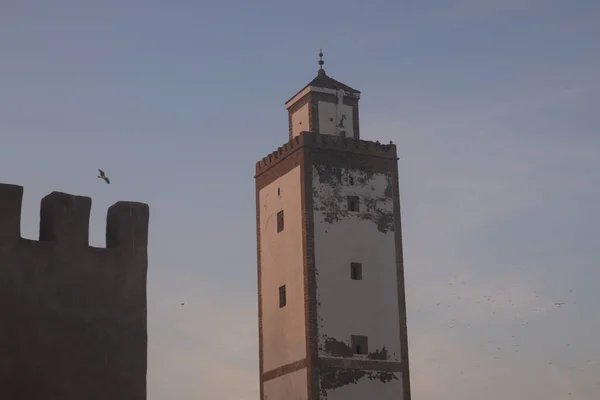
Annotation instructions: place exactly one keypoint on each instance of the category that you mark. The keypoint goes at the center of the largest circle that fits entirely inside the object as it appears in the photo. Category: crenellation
(11, 199)
(65, 218)
(327, 142)
(127, 225)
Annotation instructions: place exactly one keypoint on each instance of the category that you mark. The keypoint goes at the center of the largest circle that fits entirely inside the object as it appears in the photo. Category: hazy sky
(494, 106)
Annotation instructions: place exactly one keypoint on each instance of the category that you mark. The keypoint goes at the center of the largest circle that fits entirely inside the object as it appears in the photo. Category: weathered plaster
(316, 89)
(338, 348)
(292, 386)
(355, 307)
(335, 118)
(374, 166)
(359, 384)
(300, 120)
(332, 186)
(283, 329)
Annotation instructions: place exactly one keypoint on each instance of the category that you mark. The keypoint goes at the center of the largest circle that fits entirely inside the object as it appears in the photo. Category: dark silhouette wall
(72, 317)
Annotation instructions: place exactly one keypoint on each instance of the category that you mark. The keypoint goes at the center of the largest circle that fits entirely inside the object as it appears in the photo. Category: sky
(493, 105)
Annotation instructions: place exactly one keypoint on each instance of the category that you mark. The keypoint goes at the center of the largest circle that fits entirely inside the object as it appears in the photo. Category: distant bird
(182, 303)
(558, 304)
(103, 176)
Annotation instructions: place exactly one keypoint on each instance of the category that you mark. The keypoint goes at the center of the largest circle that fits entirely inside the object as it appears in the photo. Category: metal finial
(321, 62)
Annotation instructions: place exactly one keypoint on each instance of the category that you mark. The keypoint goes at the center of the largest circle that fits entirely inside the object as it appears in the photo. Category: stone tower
(331, 298)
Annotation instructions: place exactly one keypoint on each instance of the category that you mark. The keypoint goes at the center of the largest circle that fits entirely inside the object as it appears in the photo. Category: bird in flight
(103, 176)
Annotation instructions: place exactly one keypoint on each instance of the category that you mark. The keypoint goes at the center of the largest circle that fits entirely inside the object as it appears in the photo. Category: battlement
(327, 142)
(65, 218)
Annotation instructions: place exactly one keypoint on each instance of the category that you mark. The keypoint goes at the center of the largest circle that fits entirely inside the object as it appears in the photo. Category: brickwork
(261, 370)
(72, 317)
(344, 147)
(310, 281)
(401, 287)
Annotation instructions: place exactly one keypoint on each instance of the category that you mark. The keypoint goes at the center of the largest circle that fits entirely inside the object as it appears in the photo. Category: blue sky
(493, 105)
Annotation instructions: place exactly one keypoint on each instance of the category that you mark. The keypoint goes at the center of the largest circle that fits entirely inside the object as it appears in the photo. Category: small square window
(279, 221)
(282, 297)
(353, 203)
(360, 344)
(278, 191)
(356, 271)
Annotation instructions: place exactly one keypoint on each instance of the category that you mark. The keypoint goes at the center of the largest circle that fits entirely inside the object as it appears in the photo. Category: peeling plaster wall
(329, 118)
(284, 338)
(300, 120)
(292, 386)
(367, 386)
(348, 307)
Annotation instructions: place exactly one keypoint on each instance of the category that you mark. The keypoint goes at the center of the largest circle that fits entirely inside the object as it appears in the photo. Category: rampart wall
(72, 317)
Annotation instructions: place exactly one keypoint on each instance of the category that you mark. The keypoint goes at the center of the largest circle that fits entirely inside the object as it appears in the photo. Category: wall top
(64, 219)
(327, 142)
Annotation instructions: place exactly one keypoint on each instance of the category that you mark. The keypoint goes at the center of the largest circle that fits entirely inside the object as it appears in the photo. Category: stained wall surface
(366, 307)
(331, 115)
(72, 317)
(292, 386)
(283, 329)
(366, 387)
(333, 237)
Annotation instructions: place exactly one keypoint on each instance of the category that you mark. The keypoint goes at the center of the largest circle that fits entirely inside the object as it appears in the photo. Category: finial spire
(321, 62)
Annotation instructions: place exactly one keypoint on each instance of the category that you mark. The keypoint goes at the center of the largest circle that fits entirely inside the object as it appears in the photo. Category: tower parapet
(64, 219)
(73, 318)
(327, 142)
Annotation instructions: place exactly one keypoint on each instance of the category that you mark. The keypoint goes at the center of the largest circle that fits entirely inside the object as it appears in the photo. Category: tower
(331, 298)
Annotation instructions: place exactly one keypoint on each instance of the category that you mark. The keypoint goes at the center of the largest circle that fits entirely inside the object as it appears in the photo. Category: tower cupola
(324, 106)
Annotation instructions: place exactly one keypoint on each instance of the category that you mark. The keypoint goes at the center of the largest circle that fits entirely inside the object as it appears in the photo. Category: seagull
(103, 176)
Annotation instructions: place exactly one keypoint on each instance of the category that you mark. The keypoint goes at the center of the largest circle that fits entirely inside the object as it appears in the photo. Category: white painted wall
(281, 255)
(366, 388)
(300, 120)
(317, 89)
(292, 386)
(329, 118)
(356, 307)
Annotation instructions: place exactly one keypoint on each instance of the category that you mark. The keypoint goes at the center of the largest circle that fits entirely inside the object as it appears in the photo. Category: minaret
(331, 297)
